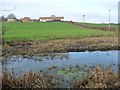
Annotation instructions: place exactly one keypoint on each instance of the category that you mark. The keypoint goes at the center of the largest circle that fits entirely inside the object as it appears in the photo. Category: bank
(37, 47)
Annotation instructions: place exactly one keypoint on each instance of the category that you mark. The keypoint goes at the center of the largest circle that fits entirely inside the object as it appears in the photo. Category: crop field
(47, 31)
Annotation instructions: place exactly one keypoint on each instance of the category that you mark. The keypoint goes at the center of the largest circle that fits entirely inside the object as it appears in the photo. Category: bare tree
(2, 18)
(11, 16)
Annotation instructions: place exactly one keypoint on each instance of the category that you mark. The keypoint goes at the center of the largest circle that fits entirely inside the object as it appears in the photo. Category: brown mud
(60, 46)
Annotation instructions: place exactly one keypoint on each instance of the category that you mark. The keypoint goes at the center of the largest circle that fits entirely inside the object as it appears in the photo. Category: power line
(8, 9)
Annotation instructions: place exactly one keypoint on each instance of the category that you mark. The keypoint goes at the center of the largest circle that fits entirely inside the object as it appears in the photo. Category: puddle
(24, 64)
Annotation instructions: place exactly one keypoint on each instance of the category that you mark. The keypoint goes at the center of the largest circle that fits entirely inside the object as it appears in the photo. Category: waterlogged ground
(32, 48)
(66, 66)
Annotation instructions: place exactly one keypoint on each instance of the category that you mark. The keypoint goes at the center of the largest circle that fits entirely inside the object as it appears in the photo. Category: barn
(26, 19)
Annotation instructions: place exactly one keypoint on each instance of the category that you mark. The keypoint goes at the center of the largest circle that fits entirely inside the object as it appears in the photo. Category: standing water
(24, 64)
(66, 66)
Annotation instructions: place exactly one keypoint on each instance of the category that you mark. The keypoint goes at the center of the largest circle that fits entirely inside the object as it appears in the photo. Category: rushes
(30, 80)
(98, 78)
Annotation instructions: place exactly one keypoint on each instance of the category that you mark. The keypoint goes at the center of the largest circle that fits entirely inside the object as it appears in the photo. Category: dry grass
(30, 80)
(31, 48)
(98, 78)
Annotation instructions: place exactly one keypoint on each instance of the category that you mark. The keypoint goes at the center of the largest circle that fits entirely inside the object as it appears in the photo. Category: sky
(95, 11)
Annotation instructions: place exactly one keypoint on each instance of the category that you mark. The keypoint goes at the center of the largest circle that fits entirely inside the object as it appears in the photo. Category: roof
(51, 17)
(11, 18)
(26, 18)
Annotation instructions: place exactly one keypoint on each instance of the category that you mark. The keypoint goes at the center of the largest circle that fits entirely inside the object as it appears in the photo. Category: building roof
(51, 17)
(26, 18)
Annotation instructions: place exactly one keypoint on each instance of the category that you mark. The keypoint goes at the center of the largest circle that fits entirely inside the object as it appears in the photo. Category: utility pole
(83, 18)
(109, 16)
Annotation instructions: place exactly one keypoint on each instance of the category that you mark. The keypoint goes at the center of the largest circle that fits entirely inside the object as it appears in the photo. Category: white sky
(95, 10)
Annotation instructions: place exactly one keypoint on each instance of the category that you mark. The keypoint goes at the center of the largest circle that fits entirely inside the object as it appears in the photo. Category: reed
(98, 78)
(29, 80)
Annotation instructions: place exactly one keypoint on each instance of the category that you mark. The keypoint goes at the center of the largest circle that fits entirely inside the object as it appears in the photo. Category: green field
(47, 31)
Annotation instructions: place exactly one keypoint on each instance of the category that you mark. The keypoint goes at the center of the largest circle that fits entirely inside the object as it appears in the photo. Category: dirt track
(65, 45)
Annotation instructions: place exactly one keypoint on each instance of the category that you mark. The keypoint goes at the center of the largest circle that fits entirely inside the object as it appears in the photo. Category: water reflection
(56, 61)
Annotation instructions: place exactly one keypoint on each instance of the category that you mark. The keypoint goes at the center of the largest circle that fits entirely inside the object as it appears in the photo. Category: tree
(11, 16)
(2, 18)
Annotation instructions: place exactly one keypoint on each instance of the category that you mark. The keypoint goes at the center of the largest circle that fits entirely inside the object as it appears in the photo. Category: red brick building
(26, 19)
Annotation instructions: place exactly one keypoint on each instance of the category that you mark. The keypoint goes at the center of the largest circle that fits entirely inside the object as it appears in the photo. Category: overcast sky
(95, 10)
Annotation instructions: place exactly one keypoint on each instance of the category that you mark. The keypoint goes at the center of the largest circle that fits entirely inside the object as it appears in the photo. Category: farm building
(11, 19)
(51, 18)
(25, 19)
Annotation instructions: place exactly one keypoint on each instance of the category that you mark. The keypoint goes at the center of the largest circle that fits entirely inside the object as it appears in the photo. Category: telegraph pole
(83, 18)
(109, 16)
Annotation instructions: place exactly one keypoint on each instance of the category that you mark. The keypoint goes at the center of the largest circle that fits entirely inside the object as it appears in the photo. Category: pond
(24, 64)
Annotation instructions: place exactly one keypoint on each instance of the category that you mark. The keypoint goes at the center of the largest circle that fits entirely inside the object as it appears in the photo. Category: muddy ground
(57, 46)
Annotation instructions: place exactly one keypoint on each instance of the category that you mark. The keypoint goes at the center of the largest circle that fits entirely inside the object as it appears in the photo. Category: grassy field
(47, 31)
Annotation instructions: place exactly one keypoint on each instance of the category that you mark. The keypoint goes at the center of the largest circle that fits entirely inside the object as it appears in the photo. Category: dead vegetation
(30, 80)
(97, 78)
(59, 46)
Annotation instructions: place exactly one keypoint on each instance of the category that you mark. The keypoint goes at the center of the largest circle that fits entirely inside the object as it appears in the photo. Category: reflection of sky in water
(20, 64)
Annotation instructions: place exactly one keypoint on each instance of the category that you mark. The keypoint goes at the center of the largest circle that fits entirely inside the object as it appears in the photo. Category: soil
(59, 46)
